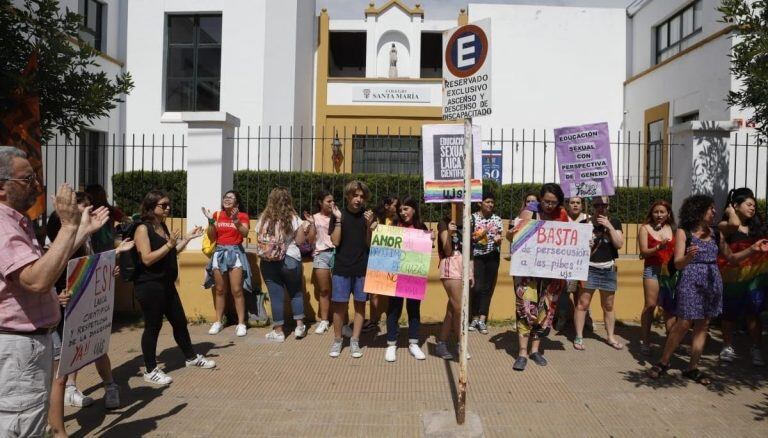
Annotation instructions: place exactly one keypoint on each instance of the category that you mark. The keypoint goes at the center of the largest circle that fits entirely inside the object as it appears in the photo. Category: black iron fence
(305, 159)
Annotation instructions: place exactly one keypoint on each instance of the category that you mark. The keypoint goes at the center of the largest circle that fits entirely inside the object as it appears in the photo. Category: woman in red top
(657, 243)
(229, 267)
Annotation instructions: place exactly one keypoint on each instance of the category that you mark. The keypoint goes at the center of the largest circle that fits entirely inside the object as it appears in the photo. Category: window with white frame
(674, 34)
(193, 63)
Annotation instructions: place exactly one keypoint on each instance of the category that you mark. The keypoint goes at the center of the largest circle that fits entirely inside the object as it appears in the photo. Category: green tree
(749, 57)
(72, 90)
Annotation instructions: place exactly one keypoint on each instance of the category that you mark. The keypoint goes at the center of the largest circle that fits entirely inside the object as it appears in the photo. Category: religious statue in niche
(393, 61)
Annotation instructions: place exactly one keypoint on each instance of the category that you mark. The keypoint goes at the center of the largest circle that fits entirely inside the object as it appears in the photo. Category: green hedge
(630, 204)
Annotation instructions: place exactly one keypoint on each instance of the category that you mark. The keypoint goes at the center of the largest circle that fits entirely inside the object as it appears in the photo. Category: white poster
(443, 163)
(88, 316)
(467, 71)
(550, 249)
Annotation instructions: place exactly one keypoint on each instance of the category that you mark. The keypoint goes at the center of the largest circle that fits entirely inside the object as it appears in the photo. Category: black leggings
(157, 300)
(486, 270)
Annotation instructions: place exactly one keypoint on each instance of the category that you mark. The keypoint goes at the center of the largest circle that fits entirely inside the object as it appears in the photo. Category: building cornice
(373, 10)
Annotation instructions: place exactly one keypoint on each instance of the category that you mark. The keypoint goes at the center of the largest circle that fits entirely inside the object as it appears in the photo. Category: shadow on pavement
(134, 400)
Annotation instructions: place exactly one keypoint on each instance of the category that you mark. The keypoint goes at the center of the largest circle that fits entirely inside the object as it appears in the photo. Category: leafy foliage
(749, 57)
(629, 205)
(73, 91)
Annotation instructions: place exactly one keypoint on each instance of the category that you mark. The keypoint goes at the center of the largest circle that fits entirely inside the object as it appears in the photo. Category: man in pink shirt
(29, 306)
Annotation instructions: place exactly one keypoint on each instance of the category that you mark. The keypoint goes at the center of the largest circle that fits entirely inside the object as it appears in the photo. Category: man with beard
(29, 306)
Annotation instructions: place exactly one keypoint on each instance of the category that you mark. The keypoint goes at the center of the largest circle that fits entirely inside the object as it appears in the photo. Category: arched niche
(403, 54)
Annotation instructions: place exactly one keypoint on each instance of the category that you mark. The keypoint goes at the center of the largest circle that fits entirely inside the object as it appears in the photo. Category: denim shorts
(343, 286)
(323, 260)
(602, 279)
(651, 272)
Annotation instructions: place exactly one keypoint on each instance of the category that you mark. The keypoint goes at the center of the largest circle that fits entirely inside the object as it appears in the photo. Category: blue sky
(448, 9)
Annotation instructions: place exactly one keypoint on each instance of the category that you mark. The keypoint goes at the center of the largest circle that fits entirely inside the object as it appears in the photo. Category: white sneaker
(391, 354)
(275, 336)
(241, 330)
(158, 377)
(473, 325)
(215, 328)
(322, 327)
(200, 361)
(111, 396)
(416, 351)
(300, 331)
(335, 349)
(346, 331)
(727, 354)
(73, 397)
(757, 357)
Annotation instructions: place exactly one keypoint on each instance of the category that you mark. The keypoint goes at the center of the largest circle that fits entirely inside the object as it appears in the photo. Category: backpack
(129, 261)
(270, 247)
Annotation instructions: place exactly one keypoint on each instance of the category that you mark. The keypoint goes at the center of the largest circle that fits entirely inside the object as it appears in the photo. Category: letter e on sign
(466, 51)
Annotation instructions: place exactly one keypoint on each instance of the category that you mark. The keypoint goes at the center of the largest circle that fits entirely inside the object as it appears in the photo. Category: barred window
(396, 154)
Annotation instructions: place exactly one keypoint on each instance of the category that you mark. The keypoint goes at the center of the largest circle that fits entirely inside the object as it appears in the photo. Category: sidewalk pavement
(295, 389)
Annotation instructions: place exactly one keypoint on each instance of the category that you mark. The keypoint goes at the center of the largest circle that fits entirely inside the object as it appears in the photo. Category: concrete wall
(198, 304)
(550, 69)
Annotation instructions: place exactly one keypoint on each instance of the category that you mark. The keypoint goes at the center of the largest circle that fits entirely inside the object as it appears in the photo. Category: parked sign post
(467, 71)
(466, 94)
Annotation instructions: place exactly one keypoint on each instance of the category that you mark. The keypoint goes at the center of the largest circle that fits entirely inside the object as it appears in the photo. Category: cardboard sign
(584, 160)
(550, 249)
(443, 163)
(398, 262)
(492, 165)
(88, 316)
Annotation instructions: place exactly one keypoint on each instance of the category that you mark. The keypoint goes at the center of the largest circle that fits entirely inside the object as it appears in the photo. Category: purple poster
(584, 160)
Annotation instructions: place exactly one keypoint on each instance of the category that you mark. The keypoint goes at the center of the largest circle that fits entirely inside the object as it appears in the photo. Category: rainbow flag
(524, 230)
(79, 276)
(452, 190)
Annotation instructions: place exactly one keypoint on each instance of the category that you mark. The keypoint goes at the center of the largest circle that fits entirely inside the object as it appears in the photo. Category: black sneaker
(538, 359)
(520, 363)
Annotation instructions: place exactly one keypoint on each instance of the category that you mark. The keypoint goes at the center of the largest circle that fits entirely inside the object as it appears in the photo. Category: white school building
(283, 79)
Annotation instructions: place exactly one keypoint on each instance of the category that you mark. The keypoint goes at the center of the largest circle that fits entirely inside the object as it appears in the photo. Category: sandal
(578, 343)
(658, 370)
(697, 376)
(616, 345)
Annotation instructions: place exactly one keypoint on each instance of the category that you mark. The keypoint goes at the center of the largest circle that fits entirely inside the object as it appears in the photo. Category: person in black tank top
(155, 286)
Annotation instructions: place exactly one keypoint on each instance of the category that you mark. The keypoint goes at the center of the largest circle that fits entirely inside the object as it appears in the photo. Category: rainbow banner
(551, 249)
(443, 163)
(88, 316)
(398, 262)
(745, 279)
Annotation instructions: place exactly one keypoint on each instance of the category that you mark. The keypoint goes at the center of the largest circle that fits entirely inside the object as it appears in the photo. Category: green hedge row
(630, 204)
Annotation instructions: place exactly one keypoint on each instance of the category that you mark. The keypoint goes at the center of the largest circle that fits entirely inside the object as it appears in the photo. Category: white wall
(266, 66)
(551, 69)
(655, 12)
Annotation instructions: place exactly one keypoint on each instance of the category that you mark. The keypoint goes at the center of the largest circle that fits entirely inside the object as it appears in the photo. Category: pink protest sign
(398, 262)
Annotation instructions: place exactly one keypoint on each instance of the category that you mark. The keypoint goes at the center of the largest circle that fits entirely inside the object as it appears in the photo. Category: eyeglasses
(30, 179)
(164, 205)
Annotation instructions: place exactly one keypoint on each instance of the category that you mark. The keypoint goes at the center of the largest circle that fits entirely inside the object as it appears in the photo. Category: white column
(699, 161)
(210, 161)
